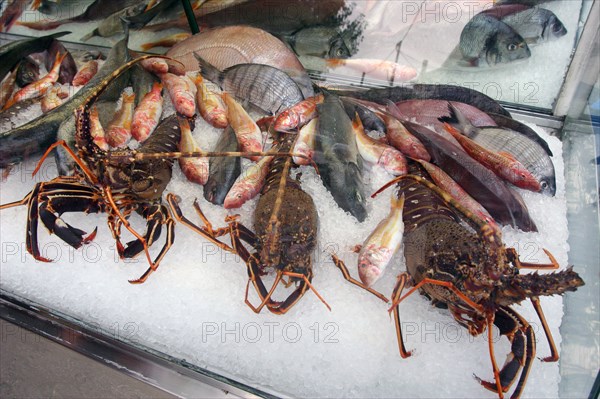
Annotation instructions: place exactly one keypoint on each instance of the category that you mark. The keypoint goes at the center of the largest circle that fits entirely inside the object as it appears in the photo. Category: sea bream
(382, 244)
(337, 157)
(267, 88)
(487, 41)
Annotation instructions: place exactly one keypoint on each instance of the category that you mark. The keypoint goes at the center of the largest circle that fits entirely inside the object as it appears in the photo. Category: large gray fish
(113, 24)
(487, 41)
(523, 149)
(337, 157)
(319, 41)
(265, 87)
(536, 25)
(429, 92)
(13, 52)
(223, 171)
(34, 137)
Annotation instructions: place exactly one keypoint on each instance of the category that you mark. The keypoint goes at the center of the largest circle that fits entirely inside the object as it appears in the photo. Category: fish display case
(189, 325)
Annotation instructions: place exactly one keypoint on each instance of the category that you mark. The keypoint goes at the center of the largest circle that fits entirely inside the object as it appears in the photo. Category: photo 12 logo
(253, 332)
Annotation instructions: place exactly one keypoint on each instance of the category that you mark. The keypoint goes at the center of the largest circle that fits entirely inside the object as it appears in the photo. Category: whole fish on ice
(223, 171)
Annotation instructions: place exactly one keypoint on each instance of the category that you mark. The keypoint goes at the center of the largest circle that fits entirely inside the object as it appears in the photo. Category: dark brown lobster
(460, 262)
(115, 182)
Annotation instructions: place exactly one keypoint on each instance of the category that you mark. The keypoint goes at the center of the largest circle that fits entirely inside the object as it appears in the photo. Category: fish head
(353, 199)
(548, 185)
(505, 48)
(338, 48)
(553, 28)
(287, 120)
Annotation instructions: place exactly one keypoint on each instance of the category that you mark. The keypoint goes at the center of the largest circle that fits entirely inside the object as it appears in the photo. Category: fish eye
(544, 185)
(512, 47)
(339, 52)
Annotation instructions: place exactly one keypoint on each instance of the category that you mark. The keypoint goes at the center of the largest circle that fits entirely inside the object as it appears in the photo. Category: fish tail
(208, 71)
(157, 86)
(148, 46)
(128, 97)
(456, 119)
(397, 202)
(357, 123)
(335, 62)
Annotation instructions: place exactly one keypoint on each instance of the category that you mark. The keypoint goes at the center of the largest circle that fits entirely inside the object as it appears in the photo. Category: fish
(12, 12)
(377, 69)
(97, 131)
(369, 119)
(182, 93)
(232, 45)
(446, 183)
(422, 91)
(487, 41)
(267, 88)
(428, 112)
(223, 171)
(119, 129)
(83, 56)
(37, 89)
(140, 20)
(113, 24)
(527, 151)
(305, 143)
(53, 98)
(7, 87)
(382, 244)
(147, 114)
(99, 9)
(399, 137)
(195, 169)
(210, 105)
(319, 41)
(28, 72)
(512, 124)
(68, 68)
(536, 25)
(168, 41)
(157, 66)
(13, 52)
(298, 115)
(85, 73)
(375, 152)
(337, 157)
(504, 204)
(248, 184)
(246, 130)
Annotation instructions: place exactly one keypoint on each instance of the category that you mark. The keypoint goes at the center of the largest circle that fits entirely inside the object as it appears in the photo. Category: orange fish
(195, 169)
(119, 129)
(182, 92)
(53, 98)
(378, 69)
(246, 130)
(85, 73)
(378, 153)
(298, 115)
(210, 105)
(147, 114)
(97, 131)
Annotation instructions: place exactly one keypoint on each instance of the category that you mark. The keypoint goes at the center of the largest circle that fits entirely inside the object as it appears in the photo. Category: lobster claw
(69, 234)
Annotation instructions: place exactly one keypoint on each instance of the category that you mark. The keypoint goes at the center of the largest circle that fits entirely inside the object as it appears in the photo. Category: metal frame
(167, 373)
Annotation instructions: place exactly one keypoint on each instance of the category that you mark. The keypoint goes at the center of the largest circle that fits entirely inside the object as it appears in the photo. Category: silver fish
(536, 25)
(262, 86)
(319, 41)
(223, 171)
(487, 41)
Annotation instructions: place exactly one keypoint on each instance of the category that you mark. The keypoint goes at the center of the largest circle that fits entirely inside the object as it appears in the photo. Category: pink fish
(305, 143)
(85, 73)
(446, 183)
(195, 169)
(97, 131)
(378, 153)
(119, 129)
(39, 88)
(298, 115)
(53, 98)
(210, 105)
(507, 168)
(155, 65)
(378, 69)
(147, 114)
(182, 92)
(382, 244)
(400, 138)
(248, 184)
(246, 130)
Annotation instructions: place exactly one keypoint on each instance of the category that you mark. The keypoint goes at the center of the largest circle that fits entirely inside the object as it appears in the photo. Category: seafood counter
(252, 214)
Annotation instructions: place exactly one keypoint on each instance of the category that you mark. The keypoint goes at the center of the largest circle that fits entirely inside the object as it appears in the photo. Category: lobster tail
(535, 284)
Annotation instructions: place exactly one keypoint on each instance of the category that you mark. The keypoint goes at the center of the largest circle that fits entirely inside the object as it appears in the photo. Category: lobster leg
(31, 240)
(514, 257)
(207, 232)
(69, 234)
(402, 279)
(298, 293)
(340, 264)
(522, 339)
(157, 218)
(553, 352)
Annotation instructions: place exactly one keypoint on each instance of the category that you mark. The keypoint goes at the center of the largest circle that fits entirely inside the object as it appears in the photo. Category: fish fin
(356, 248)
(452, 130)
(357, 123)
(209, 71)
(87, 37)
(456, 118)
(392, 109)
(148, 46)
